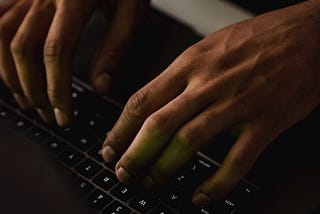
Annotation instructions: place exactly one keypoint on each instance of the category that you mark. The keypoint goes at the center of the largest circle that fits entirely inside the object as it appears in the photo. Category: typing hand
(38, 39)
(261, 75)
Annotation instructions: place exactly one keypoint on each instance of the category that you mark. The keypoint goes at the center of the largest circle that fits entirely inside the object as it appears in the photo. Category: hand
(38, 39)
(262, 75)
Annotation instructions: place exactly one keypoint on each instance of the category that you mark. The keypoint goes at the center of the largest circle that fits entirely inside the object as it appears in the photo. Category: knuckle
(186, 137)
(158, 122)
(241, 158)
(55, 51)
(20, 46)
(137, 104)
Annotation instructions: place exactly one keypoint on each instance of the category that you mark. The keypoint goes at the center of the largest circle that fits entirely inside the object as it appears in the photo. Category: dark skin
(255, 78)
(38, 39)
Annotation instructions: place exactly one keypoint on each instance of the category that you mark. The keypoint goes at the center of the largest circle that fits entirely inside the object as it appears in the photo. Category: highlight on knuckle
(137, 104)
(186, 138)
(20, 46)
(158, 122)
(241, 158)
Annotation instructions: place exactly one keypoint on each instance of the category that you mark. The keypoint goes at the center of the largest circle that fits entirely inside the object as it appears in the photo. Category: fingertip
(63, 117)
(109, 154)
(123, 176)
(102, 83)
(22, 101)
(200, 199)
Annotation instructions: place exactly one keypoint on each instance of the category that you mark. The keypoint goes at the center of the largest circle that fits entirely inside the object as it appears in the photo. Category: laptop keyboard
(77, 150)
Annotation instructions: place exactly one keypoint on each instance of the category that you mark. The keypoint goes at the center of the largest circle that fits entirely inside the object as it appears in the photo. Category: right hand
(38, 39)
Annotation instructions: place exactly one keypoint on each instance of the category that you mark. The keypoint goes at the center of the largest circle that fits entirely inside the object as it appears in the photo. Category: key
(20, 124)
(123, 192)
(173, 198)
(116, 208)
(55, 145)
(71, 157)
(98, 200)
(6, 114)
(84, 142)
(37, 135)
(83, 186)
(88, 168)
(105, 180)
(143, 203)
(162, 209)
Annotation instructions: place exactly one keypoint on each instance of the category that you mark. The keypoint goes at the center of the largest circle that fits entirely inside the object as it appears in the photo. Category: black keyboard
(77, 149)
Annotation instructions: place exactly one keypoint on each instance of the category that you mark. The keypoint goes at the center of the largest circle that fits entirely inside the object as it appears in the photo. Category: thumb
(128, 17)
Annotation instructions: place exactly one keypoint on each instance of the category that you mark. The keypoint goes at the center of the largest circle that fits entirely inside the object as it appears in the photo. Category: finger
(189, 139)
(6, 5)
(26, 48)
(236, 165)
(59, 50)
(143, 103)
(157, 130)
(9, 24)
(127, 18)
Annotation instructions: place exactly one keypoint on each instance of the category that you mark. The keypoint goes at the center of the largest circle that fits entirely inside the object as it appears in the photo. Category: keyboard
(76, 149)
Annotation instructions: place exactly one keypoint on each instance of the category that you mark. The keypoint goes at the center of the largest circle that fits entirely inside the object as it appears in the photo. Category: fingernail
(61, 117)
(123, 175)
(148, 183)
(108, 154)
(46, 114)
(201, 200)
(22, 101)
(102, 83)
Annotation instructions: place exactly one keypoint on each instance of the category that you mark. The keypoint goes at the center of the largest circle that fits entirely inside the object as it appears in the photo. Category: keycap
(71, 157)
(123, 192)
(55, 145)
(195, 172)
(162, 209)
(37, 135)
(20, 124)
(105, 180)
(226, 206)
(116, 208)
(84, 142)
(98, 200)
(88, 168)
(67, 133)
(83, 186)
(144, 203)
(6, 114)
(190, 208)
(173, 197)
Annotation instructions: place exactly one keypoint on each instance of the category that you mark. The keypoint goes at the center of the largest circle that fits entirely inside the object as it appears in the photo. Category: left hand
(262, 75)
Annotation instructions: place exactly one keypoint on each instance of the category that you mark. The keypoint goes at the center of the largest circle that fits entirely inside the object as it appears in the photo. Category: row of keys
(79, 148)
